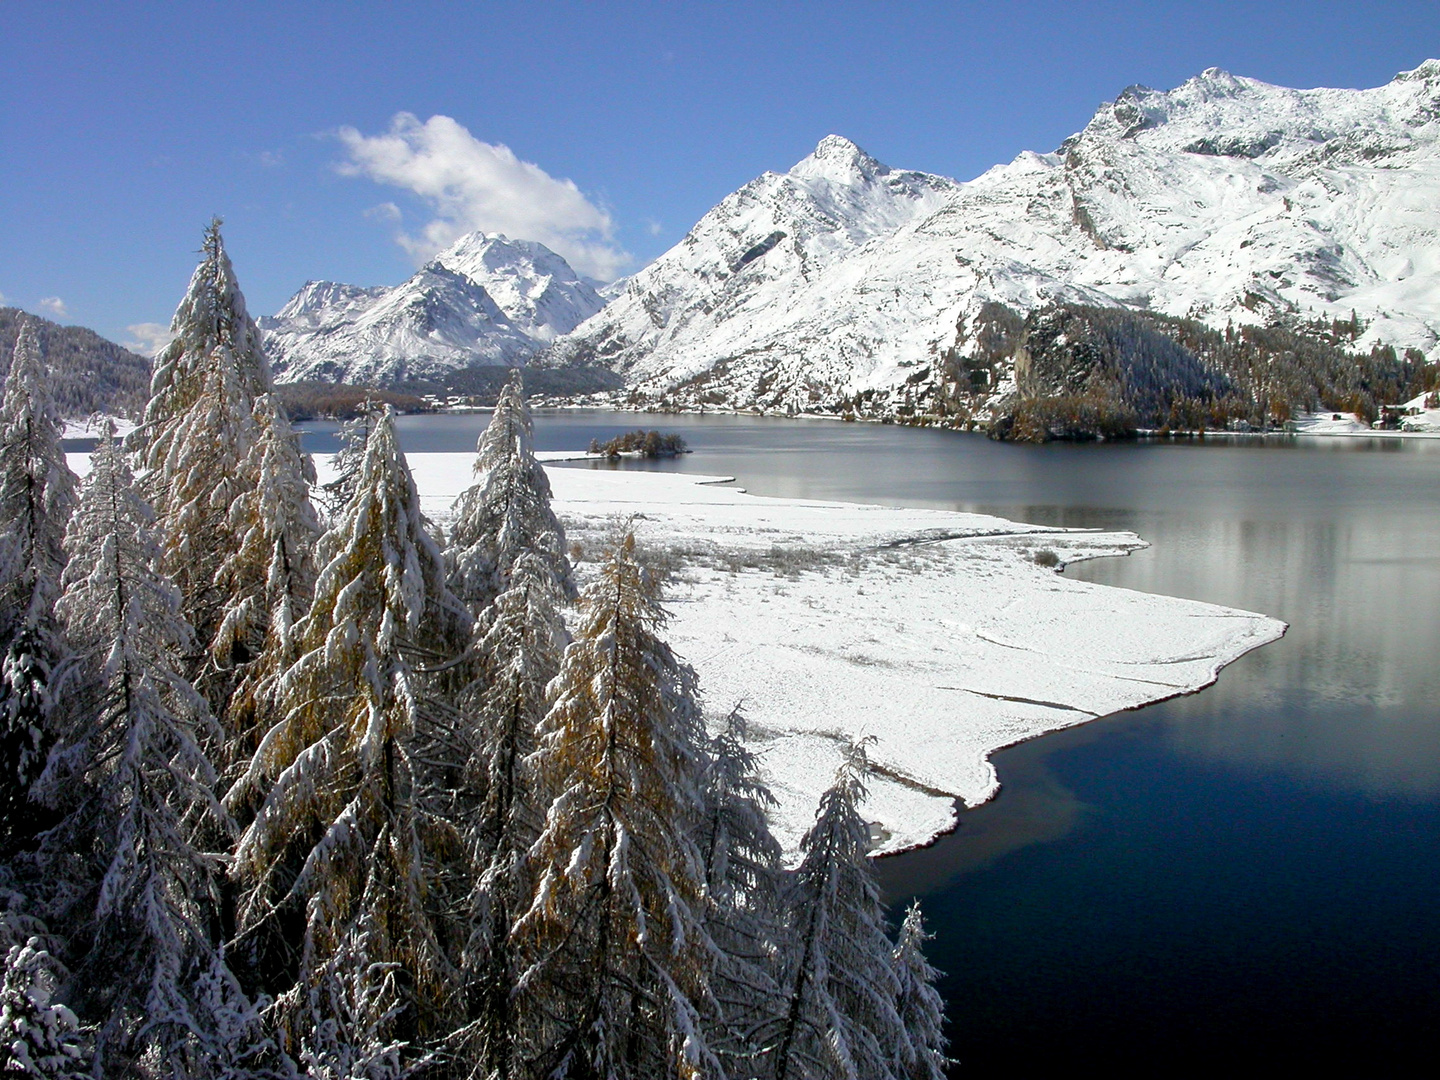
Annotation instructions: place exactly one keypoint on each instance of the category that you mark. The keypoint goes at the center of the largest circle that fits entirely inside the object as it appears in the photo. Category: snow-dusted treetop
(37, 489)
(212, 315)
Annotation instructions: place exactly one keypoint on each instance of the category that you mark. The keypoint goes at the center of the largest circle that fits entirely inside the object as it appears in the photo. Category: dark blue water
(1234, 881)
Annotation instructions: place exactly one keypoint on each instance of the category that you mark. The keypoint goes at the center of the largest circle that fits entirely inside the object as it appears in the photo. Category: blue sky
(125, 126)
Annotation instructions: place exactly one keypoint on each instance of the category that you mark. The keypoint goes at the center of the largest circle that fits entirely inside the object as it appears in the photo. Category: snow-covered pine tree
(518, 643)
(742, 876)
(840, 1020)
(507, 514)
(40, 1038)
(277, 529)
(37, 495)
(922, 1010)
(132, 775)
(337, 853)
(197, 443)
(620, 959)
(507, 559)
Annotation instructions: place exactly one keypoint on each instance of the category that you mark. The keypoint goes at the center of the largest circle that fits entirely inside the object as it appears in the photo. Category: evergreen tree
(742, 876)
(39, 1037)
(506, 557)
(276, 529)
(132, 773)
(507, 515)
(517, 647)
(620, 959)
(339, 843)
(922, 1010)
(840, 1019)
(199, 445)
(37, 495)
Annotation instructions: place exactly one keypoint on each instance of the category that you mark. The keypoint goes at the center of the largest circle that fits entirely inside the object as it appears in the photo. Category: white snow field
(934, 632)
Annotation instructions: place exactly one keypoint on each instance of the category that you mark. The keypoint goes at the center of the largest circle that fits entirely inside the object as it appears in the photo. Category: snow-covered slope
(1225, 199)
(485, 300)
(537, 290)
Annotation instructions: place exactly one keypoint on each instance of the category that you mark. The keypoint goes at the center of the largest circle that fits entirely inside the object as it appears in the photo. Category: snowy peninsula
(936, 632)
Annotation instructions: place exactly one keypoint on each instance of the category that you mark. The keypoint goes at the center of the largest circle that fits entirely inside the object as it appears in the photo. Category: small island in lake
(641, 443)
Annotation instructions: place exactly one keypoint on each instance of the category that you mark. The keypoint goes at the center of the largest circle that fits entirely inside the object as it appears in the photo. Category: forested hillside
(1083, 371)
(90, 374)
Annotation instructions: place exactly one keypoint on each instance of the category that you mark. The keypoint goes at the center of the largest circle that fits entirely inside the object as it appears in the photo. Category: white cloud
(2, 298)
(385, 211)
(55, 306)
(473, 185)
(147, 338)
(271, 159)
(652, 227)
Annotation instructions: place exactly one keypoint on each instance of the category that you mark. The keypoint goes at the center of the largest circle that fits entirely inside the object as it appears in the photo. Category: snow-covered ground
(1424, 424)
(1425, 421)
(93, 427)
(1328, 423)
(937, 633)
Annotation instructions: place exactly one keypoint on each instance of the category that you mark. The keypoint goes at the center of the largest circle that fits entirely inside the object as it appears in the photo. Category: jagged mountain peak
(838, 160)
(541, 293)
(317, 296)
(1427, 72)
(485, 300)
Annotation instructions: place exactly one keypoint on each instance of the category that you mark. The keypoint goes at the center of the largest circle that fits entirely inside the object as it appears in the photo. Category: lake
(1239, 879)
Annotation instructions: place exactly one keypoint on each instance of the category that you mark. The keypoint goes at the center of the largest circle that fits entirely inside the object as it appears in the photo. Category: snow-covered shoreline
(935, 632)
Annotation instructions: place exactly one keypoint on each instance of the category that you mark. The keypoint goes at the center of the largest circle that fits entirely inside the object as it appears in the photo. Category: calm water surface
(1238, 879)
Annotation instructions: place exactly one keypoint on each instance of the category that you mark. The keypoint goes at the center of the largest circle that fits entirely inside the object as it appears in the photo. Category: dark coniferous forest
(295, 784)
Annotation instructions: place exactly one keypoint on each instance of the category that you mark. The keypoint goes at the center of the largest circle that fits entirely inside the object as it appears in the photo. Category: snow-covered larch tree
(840, 1019)
(507, 558)
(922, 1010)
(620, 959)
(338, 848)
(137, 789)
(276, 529)
(742, 876)
(40, 1038)
(507, 514)
(37, 496)
(335, 494)
(197, 445)
(518, 643)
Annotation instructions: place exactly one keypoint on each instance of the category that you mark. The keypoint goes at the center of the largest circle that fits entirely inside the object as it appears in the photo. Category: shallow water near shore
(1247, 875)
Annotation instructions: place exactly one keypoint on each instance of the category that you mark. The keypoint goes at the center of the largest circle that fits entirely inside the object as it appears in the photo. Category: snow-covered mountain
(484, 301)
(538, 291)
(1224, 199)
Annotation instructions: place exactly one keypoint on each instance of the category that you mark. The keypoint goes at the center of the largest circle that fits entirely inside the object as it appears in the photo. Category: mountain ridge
(1226, 200)
(485, 301)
